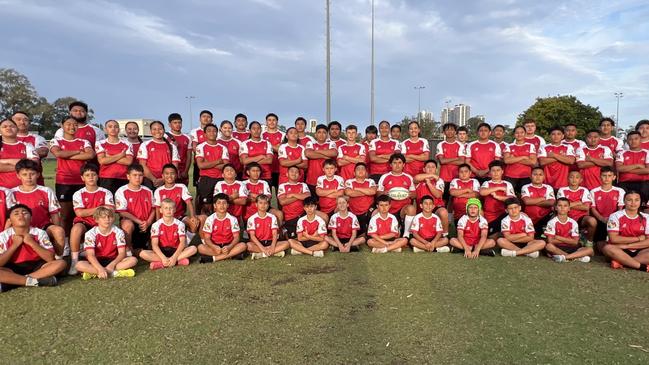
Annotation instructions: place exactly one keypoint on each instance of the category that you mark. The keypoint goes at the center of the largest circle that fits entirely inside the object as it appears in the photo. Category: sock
(129, 253)
(31, 281)
(407, 222)
(58, 257)
(75, 256)
(642, 267)
(213, 258)
(114, 273)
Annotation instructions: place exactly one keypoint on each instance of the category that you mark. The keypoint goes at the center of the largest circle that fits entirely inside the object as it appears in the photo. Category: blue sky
(140, 59)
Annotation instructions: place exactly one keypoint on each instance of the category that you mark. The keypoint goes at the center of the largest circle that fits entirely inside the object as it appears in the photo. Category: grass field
(344, 308)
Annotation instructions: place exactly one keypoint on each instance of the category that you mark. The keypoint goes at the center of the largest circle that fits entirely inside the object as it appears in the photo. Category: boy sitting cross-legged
(311, 232)
(263, 230)
(344, 228)
(134, 203)
(168, 240)
(105, 247)
(562, 233)
(518, 233)
(383, 229)
(426, 229)
(221, 234)
(472, 230)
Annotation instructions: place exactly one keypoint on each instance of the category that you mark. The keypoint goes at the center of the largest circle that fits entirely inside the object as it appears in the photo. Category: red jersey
(575, 144)
(627, 226)
(537, 141)
(495, 208)
(25, 253)
(355, 150)
(4, 194)
(518, 170)
(275, 139)
(259, 188)
(556, 173)
(427, 228)
(361, 204)
(303, 141)
(633, 158)
(613, 143)
(644, 145)
(84, 199)
(18, 150)
(263, 228)
(197, 135)
(328, 205)
(481, 154)
(459, 204)
(448, 172)
(410, 147)
(567, 229)
(315, 227)
(389, 181)
(41, 201)
(295, 209)
(35, 140)
(472, 229)
(531, 191)
(183, 144)
(168, 235)
(113, 170)
(230, 189)
(521, 225)
(316, 165)
(288, 152)
(136, 148)
(591, 174)
(155, 155)
(212, 152)
(241, 136)
(233, 146)
(381, 147)
(68, 171)
(607, 202)
(379, 226)
(105, 246)
(87, 132)
(580, 195)
(137, 202)
(221, 231)
(178, 193)
(339, 142)
(423, 189)
(258, 148)
(344, 227)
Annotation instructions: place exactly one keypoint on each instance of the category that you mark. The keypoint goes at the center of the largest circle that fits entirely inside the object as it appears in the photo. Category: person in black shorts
(263, 230)
(344, 227)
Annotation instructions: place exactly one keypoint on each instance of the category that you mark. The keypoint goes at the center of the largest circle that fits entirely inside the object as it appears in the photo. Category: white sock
(58, 257)
(114, 273)
(75, 256)
(407, 222)
(129, 253)
(31, 281)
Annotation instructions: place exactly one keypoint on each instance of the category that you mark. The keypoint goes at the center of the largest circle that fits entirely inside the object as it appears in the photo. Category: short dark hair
(271, 115)
(538, 168)
(396, 126)
(351, 127)
(205, 112)
(529, 121)
(633, 133)
(209, 125)
(329, 162)
(483, 124)
(19, 206)
(383, 198)
(426, 197)
(570, 125)
(221, 196)
(430, 161)
(25, 164)
(334, 122)
(89, 166)
(174, 116)
(298, 119)
(499, 126)
(310, 201)
(606, 169)
(496, 163)
(321, 126)
(170, 166)
(637, 125)
(134, 167)
(556, 128)
(384, 121)
(510, 201)
(78, 103)
(251, 165)
(241, 115)
(606, 119)
(359, 164)
(228, 165)
(452, 126)
(462, 129)
(224, 122)
(397, 156)
(592, 131)
(371, 129)
(464, 165)
(561, 199)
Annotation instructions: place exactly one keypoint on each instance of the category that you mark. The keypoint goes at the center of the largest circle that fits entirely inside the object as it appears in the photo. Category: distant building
(459, 114)
(481, 117)
(425, 115)
(144, 124)
(313, 123)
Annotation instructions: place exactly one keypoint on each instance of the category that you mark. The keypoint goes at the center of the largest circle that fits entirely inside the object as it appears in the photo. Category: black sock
(642, 267)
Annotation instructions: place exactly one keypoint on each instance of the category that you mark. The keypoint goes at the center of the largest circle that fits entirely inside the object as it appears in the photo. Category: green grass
(344, 308)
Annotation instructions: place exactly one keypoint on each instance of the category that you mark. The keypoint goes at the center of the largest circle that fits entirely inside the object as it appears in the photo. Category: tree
(430, 129)
(472, 125)
(561, 110)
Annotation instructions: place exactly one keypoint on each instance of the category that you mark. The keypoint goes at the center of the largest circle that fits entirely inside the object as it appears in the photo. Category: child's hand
(143, 226)
(102, 273)
(172, 261)
(268, 251)
(475, 254)
(17, 240)
(467, 253)
(28, 239)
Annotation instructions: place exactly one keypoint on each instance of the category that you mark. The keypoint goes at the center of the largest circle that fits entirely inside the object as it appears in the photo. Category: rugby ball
(399, 193)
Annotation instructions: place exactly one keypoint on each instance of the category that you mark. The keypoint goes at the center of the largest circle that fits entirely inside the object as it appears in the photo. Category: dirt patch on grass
(284, 281)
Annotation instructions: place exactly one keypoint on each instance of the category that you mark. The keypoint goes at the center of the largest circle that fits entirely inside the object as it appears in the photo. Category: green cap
(473, 201)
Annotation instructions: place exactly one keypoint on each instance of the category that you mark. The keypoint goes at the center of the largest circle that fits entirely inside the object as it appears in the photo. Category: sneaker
(128, 273)
(380, 250)
(559, 258)
(48, 281)
(318, 253)
(584, 259)
(443, 249)
(257, 255)
(156, 265)
(295, 252)
(280, 254)
(206, 259)
(183, 262)
(88, 276)
(397, 250)
(417, 249)
(533, 255)
(616, 265)
(488, 252)
(507, 253)
(73, 270)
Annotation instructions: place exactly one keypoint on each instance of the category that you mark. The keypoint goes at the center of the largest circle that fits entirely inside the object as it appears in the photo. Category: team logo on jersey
(611, 224)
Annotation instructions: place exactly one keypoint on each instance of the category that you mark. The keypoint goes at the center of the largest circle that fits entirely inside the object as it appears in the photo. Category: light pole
(418, 88)
(191, 116)
(328, 61)
(372, 78)
(617, 110)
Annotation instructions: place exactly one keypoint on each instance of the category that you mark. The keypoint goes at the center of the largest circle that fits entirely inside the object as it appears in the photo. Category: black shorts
(568, 248)
(205, 189)
(344, 241)
(112, 184)
(25, 267)
(494, 226)
(631, 253)
(309, 243)
(436, 209)
(274, 180)
(376, 177)
(64, 192)
(601, 232)
(140, 240)
(447, 193)
(266, 243)
(363, 221)
(291, 227)
(195, 174)
(104, 261)
(85, 224)
(312, 190)
(168, 251)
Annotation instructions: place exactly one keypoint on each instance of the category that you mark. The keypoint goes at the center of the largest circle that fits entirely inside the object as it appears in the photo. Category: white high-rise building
(458, 114)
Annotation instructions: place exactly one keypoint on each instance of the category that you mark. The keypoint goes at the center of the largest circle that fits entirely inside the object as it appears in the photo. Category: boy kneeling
(263, 230)
(518, 233)
(311, 232)
(221, 234)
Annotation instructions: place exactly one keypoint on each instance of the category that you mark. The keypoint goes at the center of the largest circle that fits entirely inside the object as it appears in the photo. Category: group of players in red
(567, 197)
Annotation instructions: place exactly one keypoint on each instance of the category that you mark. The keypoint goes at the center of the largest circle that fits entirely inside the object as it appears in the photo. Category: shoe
(417, 249)
(183, 262)
(73, 270)
(318, 253)
(257, 255)
(507, 253)
(616, 265)
(443, 249)
(584, 259)
(398, 250)
(156, 265)
(559, 258)
(533, 255)
(280, 254)
(295, 252)
(128, 273)
(379, 250)
(206, 259)
(488, 252)
(88, 276)
(48, 281)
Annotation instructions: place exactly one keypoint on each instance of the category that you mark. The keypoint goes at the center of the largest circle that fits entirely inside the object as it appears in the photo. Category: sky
(140, 59)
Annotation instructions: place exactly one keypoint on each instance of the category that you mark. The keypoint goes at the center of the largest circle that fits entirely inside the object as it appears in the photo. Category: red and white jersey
(535, 140)
(355, 150)
(338, 142)
(556, 173)
(168, 235)
(262, 227)
(426, 227)
(84, 199)
(241, 136)
(178, 193)
(212, 152)
(381, 147)
(361, 204)
(4, 194)
(521, 225)
(644, 145)
(302, 141)
(259, 188)
(366, 145)
(157, 154)
(640, 157)
(258, 148)
(233, 146)
(576, 144)
(137, 202)
(197, 135)
(518, 170)
(230, 189)
(379, 226)
(316, 165)
(328, 205)
(104, 245)
(35, 140)
(344, 227)
(607, 202)
(472, 229)
(591, 174)
(390, 181)
(446, 149)
(317, 226)
(87, 131)
(288, 152)
(531, 191)
(627, 226)
(423, 189)
(41, 201)
(221, 231)
(481, 154)
(459, 204)
(113, 170)
(580, 195)
(25, 253)
(135, 146)
(411, 147)
(275, 139)
(613, 143)
(495, 208)
(183, 144)
(567, 229)
(10, 151)
(68, 171)
(295, 209)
